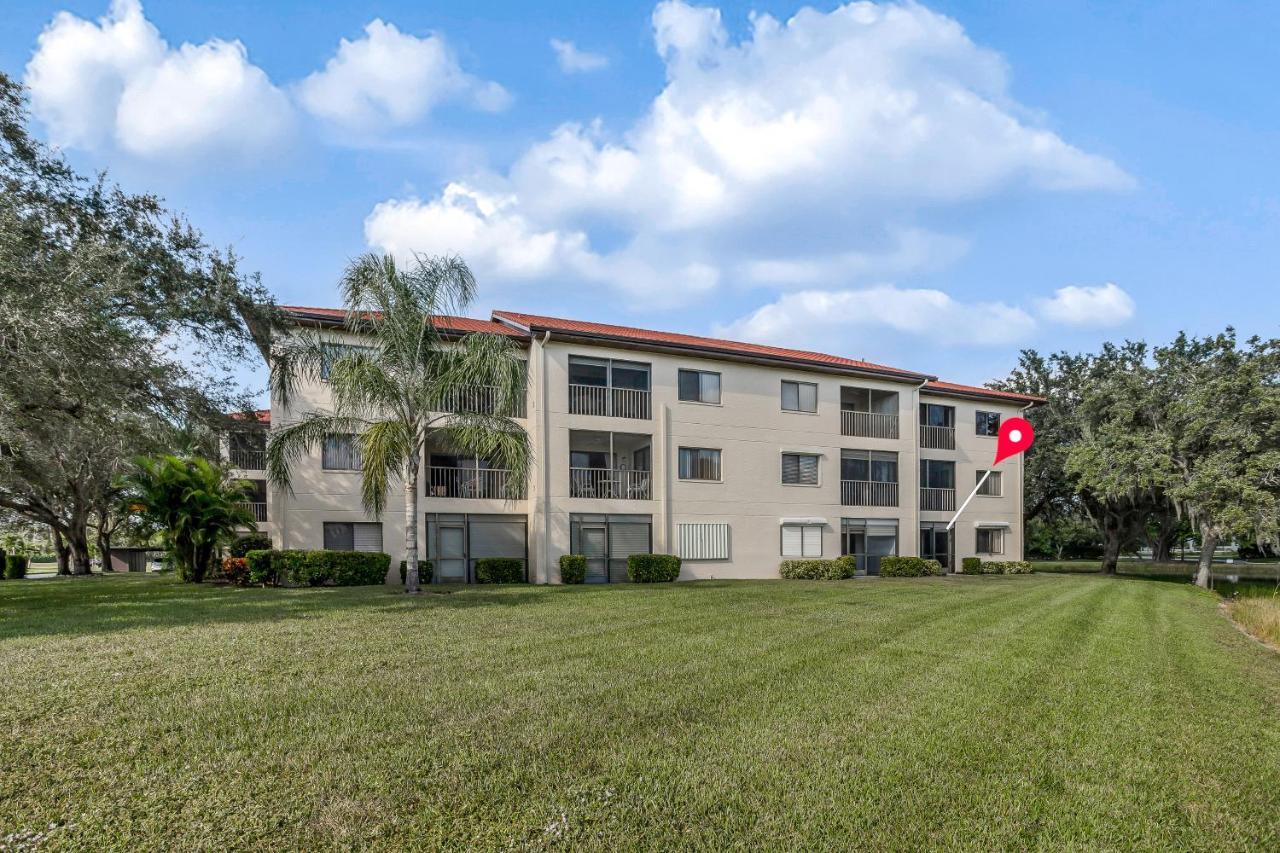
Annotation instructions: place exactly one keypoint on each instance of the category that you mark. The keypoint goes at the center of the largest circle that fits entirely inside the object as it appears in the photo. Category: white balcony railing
(868, 493)
(937, 437)
(247, 460)
(937, 500)
(610, 402)
(480, 483)
(868, 424)
(482, 399)
(258, 509)
(610, 484)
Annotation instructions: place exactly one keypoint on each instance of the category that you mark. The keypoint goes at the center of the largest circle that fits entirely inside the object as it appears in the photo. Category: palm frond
(385, 447)
(289, 443)
(297, 358)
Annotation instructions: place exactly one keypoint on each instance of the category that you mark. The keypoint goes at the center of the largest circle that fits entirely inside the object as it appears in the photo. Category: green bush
(819, 570)
(653, 568)
(249, 542)
(15, 567)
(236, 570)
(338, 568)
(908, 567)
(1006, 567)
(499, 570)
(260, 570)
(573, 568)
(971, 566)
(425, 572)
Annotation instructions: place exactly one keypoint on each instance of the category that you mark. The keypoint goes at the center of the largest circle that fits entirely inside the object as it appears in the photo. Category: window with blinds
(799, 396)
(704, 541)
(800, 469)
(990, 540)
(353, 536)
(990, 488)
(802, 540)
(340, 453)
(699, 463)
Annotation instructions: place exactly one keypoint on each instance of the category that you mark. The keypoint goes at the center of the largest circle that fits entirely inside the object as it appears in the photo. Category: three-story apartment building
(734, 456)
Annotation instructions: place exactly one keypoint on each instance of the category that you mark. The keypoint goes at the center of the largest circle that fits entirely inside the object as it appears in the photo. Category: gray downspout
(545, 462)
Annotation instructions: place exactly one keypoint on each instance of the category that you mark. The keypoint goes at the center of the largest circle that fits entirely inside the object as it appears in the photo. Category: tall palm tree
(392, 390)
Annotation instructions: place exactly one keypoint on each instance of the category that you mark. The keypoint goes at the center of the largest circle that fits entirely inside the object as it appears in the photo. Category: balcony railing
(610, 402)
(481, 483)
(868, 424)
(610, 484)
(937, 437)
(248, 460)
(258, 509)
(868, 493)
(937, 500)
(481, 399)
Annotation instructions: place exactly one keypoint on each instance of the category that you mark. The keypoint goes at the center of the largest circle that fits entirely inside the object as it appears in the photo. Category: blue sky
(932, 186)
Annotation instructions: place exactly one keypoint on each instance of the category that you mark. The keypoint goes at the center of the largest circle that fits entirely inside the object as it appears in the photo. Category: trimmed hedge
(499, 570)
(15, 567)
(318, 568)
(653, 568)
(908, 567)
(249, 542)
(819, 570)
(1007, 567)
(425, 572)
(236, 570)
(573, 568)
(261, 572)
(970, 566)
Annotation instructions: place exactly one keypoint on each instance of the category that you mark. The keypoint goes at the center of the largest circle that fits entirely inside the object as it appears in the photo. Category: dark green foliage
(425, 571)
(653, 568)
(499, 570)
(573, 568)
(261, 570)
(971, 566)
(335, 568)
(819, 570)
(250, 542)
(15, 567)
(908, 567)
(3, 557)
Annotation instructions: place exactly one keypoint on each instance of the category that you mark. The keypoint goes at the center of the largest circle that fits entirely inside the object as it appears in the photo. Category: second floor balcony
(868, 493)
(937, 500)
(258, 509)
(610, 465)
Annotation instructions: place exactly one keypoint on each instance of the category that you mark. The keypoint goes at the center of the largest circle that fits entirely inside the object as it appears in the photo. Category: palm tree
(392, 390)
(196, 505)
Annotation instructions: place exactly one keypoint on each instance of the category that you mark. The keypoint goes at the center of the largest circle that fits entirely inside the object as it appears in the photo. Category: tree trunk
(78, 538)
(1111, 549)
(104, 550)
(62, 551)
(411, 525)
(1208, 541)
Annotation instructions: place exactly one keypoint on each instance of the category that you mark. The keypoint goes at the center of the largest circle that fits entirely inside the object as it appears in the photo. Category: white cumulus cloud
(1097, 306)
(118, 82)
(391, 77)
(573, 60)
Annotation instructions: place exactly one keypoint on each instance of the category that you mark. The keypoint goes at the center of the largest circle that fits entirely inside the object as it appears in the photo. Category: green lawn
(983, 712)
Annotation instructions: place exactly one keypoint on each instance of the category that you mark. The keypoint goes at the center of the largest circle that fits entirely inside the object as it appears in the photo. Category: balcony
(482, 399)
(476, 483)
(610, 484)
(937, 500)
(258, 509)
(609, 402)
(868, 493)
(868, 424)
(937, 437)
(246, 459)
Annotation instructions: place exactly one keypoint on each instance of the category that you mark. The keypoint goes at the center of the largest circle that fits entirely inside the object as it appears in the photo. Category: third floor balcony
(609, 388)
(868, 412)
(937, 426)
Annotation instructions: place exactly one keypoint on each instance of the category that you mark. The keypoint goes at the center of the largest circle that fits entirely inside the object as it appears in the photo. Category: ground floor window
(455, 541)
(869, 539)
(802, 539)
(353, 536)
(607, 540)
(935, 544)
(990, 540)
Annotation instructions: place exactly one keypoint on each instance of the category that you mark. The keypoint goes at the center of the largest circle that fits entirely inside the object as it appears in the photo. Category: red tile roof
(262, 416)
(648, 336)
(448, 323)
(974, 390)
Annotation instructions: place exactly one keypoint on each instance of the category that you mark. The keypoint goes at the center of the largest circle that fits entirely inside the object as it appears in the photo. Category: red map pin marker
(1016, 435)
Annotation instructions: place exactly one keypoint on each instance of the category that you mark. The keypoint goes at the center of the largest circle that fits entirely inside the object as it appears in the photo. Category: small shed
(130, 559)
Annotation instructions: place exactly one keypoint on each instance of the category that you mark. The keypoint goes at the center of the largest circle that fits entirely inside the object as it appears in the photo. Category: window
(799, 396)
(937, 474)
(704, 541)
(853, 399)
(800, 469)
(991, 488)
(869, 539)
(699, 386)
(699, 463)
(934, 415)
(987, 423)
(802, 540)
(990, 540)
(341, 453)
(869, 465)
(331, 352)
(353, 536)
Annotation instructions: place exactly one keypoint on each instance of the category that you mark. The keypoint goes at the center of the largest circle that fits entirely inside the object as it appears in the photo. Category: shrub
(908, 567)
(1009, 567)
(236, 570)
(425, 572)
(819, 570)
(971, 566)
(653, 568)
(249, 542)
(338, 568)
(15, 567)
(260, 569)
(573, 568)
(499, 570)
